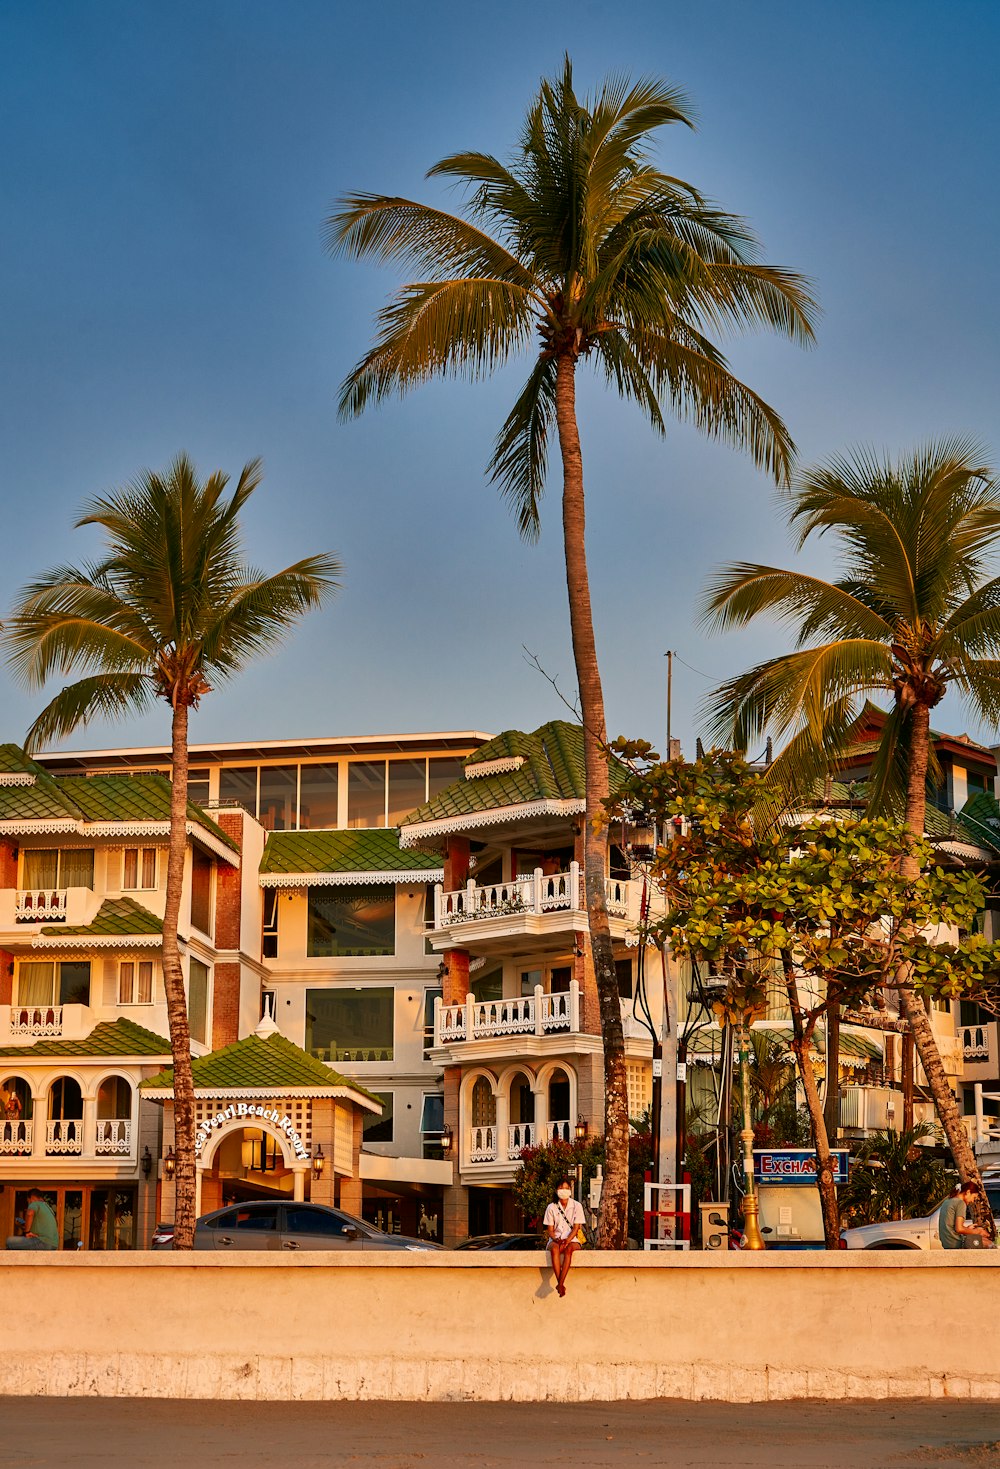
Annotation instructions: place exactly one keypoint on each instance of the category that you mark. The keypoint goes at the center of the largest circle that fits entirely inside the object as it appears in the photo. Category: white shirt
(564, 1218)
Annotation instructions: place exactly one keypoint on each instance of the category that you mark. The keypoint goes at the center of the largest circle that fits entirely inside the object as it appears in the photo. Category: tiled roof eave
(277, 1092)
(400, 876)
(138, 827)
(409, 836)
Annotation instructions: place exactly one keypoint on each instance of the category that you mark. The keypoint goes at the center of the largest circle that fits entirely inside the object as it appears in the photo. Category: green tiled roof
(75, 798)
(111, 1038)
(342, 851)
(980, 818)
(115, 916)
(552, 770)
(259, 1063)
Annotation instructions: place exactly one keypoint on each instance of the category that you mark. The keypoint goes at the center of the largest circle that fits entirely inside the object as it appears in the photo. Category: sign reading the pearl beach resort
(246, 1113)
(796, 1165)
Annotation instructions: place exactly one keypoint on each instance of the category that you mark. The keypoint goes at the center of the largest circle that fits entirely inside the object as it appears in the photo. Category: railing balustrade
(15, 1136)
(40, 905)
(975, 1042)
(536, 1014)
(36, 1020)
(64, 1135)
(483, 1144)
(114, 1135)
(538, 892)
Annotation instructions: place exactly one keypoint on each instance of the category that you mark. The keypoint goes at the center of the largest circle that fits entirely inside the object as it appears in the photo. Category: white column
(503, 1125)
(977, 1092)
(470, 1015)
(574, 885)
(536, 899)
(89, 1126)
(298, 1184)
(437, 1020)
(539, 993)
(438, 904)
(574, 1006)
(199, 1169)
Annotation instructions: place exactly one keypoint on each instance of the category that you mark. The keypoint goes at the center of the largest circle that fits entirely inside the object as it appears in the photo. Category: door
(307, 1227)
(248, 1227)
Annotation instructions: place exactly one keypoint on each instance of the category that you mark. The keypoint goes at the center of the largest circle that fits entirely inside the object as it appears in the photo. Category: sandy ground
(143, 1434)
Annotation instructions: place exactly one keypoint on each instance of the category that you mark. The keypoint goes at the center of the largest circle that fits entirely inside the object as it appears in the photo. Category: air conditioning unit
(870, 1109)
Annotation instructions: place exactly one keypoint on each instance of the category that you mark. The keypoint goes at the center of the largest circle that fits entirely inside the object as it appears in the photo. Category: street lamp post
(752, 1237)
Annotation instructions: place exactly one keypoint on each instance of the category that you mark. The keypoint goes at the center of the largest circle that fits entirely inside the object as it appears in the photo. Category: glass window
(489, 986)
(114, 1098)
(47, 867)
(198, 1000)
(238, 786)
(432, 1114)
(15, 1103)
(301, 1219)
(379, 1129)
(366, 793)
(269, 933)
(407, 787)
(529, 978)
(201, 890)
(76, 867)
(278, 797)
(350, 1025)
(441, 773)
(429, 997)
(74, 983)
(351, 920)
(198, 790)
(260, 1216)
(318, 797)
(623, 974)
(135, 982)
(41, 868)
(560, 979)
(139, 868)
(35, 983)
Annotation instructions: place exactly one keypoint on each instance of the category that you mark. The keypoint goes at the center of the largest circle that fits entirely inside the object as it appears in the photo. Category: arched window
(484, 1103)
(522, 1099)
(560, 1121)
(15, 1099)
(114, 1098)
(64, 1128)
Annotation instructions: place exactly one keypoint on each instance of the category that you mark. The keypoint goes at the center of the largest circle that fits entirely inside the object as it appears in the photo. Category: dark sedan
(503, 1242)
(287, 1225)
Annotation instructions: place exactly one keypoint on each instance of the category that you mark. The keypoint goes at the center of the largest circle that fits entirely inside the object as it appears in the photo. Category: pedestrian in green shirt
(956, 1230)
(40, 1229)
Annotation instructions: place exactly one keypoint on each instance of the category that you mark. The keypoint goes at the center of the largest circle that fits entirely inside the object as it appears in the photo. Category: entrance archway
(249, 1162)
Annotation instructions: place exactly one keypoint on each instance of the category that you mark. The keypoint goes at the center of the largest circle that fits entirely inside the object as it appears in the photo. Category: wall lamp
(169, 1164)
(146, 1162)
(581, 1129)
(319, 1162)
(447, 1138)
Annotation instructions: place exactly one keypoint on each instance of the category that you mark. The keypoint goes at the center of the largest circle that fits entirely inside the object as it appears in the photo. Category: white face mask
(563, 1193)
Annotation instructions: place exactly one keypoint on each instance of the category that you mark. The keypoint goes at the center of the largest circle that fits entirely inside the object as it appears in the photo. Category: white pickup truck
(911, 1234)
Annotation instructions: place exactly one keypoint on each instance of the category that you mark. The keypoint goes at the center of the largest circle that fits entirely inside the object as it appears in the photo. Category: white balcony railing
(36, 1020)
(114, 1135)
(15, 1137)
(537, 1014)
(64, 1135)
(483, 1144)
(40, 905)
(975, 1041)
(536, 893)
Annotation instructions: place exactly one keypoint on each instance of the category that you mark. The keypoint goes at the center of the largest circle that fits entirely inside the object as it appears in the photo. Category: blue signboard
(795, 1165)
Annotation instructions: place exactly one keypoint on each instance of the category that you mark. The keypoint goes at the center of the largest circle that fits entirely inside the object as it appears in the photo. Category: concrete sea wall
(450, 1326)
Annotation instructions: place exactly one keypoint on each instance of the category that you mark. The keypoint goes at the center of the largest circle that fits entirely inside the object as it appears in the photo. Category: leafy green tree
(893, 1177)
(830, 906)
(579, 249)
(170, 609)
(914, 613)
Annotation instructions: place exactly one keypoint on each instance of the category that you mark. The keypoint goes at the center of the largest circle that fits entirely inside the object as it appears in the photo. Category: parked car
(911, 1234)
(287, 1225)
(503, 1242)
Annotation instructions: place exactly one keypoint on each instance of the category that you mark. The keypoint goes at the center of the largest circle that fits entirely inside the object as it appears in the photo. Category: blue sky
(163, 183)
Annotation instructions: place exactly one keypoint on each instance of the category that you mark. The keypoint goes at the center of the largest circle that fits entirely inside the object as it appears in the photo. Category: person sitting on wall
(40, 1229)
(956, 1230)
(564, 1221)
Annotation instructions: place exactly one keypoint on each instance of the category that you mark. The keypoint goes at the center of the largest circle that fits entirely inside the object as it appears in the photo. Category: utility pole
(670, 693)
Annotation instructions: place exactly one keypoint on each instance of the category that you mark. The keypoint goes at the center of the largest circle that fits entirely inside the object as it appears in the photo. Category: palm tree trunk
(173, 985)
(801, 1039)
(911, 1004)
(614, 1197)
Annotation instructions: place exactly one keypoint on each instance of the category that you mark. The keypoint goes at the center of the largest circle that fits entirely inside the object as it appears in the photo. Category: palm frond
(258, 615)
(452, 328)
(520, 455)
(737, 594)
(101, 696)
(438, 244)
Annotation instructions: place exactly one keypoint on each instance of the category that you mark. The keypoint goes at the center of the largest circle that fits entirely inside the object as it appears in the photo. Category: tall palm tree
(580, 248)
(916, 611)
(171, 609)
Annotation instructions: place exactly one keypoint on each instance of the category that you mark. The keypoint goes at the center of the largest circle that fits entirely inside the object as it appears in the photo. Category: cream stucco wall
(446, 1327)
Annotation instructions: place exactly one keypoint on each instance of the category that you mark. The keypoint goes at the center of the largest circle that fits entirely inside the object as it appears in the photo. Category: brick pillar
(228, 919)
(456, 862)
(6, 977)
(323, 1115)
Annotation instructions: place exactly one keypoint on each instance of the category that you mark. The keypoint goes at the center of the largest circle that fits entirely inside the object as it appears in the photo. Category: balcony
(980, 1051)
(483, 1143)
(114, 1136)
(64, 1135)
(33, 1022)
(538, 1014)
(15, 1138)
(525, 911)
(40, 905)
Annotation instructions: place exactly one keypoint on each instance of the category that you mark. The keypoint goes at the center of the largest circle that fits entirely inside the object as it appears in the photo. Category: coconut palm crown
(914, 612)
(171, 610)
(582, 246)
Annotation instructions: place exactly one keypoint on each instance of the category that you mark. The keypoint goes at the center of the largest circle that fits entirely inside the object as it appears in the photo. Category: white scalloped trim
(139, 828)
(409, 836)
(295, 1093)
(401, 875)
(83, 941)
(501, 766)
(40, 828)
(17, 778)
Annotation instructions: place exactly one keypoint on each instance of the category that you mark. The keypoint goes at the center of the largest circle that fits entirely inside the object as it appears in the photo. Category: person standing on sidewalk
(40, 1229)
(564, 1221)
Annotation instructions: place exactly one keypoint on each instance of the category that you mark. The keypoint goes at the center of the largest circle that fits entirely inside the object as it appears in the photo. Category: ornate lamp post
(752, 1237)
